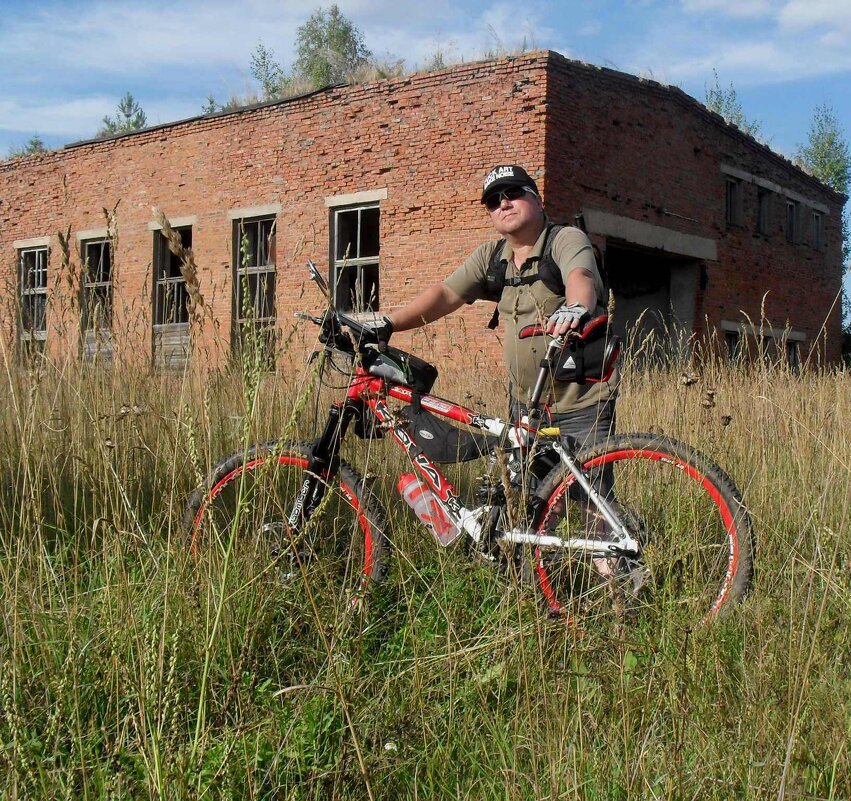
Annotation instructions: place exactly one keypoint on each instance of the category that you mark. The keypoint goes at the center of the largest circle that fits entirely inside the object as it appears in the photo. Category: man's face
(515, 216)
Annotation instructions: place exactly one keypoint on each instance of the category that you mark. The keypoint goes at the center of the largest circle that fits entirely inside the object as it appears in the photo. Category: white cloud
(739, 9)
(125, 39)
(787, 45)
(801, 15)
(56, 119)
(592, 28)
(80, 118)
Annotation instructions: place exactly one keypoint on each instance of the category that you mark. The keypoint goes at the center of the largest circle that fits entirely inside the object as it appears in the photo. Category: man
(510, 197)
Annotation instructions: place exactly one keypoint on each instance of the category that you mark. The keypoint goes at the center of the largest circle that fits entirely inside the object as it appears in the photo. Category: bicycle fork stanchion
(322, 458)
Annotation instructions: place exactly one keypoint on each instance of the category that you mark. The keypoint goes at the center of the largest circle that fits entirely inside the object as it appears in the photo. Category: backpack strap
(548, 272)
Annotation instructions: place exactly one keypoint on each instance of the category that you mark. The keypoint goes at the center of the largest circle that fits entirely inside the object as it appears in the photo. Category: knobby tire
(254, 491)
(696, 532)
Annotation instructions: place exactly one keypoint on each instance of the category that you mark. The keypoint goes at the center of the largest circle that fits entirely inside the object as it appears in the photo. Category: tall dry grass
(129, 670)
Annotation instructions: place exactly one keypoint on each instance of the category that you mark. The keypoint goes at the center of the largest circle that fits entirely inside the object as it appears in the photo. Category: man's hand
(567, 318)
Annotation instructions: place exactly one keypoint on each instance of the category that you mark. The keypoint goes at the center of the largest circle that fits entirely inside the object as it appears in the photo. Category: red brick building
(379, 185)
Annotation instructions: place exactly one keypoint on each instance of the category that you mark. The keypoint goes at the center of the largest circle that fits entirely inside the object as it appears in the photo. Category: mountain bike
(672, 528)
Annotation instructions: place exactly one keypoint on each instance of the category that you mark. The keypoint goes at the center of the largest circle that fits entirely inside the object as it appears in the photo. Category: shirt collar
(537, 251)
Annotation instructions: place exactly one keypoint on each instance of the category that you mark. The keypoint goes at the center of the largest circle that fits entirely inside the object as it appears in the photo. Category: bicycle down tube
(373, 392)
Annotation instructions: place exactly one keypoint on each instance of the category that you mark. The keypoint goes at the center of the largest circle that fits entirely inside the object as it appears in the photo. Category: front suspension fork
(321, 467)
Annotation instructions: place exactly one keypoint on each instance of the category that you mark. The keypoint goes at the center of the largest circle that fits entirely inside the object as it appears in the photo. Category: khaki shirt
(533, 304)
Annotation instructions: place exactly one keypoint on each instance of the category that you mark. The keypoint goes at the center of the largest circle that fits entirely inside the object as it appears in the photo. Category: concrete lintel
(650, 236)
(270, 210)
(355, 198)
(92, 233)
(750, 178)
(174, 222)
(35, 242)
(763, 330)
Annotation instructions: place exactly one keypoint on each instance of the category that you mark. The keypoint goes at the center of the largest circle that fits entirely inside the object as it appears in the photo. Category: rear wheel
(247, 500)
(695, 532)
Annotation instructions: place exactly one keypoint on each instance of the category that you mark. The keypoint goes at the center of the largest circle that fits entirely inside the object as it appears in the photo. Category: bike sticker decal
(437, 405)
(453, 503)
(428, 468)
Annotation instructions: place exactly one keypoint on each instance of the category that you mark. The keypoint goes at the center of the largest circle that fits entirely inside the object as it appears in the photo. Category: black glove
(379, 327)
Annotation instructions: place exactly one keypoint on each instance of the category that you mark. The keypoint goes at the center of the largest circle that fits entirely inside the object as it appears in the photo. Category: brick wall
(425, 139)
(591, 137)
(634, 148)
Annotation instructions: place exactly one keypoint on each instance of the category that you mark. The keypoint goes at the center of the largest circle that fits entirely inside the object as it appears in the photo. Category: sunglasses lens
(493, 202)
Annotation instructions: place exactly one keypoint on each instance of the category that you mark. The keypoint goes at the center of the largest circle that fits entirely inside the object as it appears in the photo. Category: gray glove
(565, 317)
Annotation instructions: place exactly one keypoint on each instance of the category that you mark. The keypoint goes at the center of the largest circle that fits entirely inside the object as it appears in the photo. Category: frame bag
(590, 357)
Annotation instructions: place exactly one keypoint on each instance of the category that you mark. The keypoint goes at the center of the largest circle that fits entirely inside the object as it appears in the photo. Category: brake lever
(308, 317)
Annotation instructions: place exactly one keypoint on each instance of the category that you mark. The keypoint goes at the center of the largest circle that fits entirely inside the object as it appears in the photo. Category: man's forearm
(435, 302)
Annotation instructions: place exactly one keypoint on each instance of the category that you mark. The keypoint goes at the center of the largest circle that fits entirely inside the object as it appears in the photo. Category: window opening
(733, 343)
(254, 285)
(791, 221)
(97, 285)
(33, 285)
(818, 230)
(171, 302)
(734, 201)
(763, 220)
(355, 247)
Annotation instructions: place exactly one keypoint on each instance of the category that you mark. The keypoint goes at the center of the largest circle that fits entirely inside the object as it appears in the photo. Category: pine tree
(129, 117)
(34, 145)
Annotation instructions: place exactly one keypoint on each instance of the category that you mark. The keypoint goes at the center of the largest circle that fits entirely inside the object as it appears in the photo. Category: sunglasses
(494, 201)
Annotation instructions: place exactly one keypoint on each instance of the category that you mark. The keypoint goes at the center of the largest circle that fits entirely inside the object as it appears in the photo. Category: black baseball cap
(505, 175)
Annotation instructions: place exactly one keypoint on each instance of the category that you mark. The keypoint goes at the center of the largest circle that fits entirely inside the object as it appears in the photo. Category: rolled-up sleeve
(469, 281)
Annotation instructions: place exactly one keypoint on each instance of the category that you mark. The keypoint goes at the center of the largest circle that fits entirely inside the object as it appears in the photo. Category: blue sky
(64, 64)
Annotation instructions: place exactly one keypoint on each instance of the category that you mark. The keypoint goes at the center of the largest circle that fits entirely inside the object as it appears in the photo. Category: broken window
(33, 298)
(97, 285)
(171, 303)
(355, 246)
(254, 285)
(792, 221)
(818, 230)
(734, 205)
(763, 219)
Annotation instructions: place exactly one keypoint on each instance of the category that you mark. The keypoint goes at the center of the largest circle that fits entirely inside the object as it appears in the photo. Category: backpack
(548, 270)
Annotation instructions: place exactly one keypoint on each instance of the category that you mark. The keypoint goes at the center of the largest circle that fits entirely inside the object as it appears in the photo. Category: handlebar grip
(532, 331)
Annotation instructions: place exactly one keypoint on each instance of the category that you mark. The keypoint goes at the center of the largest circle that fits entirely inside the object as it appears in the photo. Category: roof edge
(693, 104)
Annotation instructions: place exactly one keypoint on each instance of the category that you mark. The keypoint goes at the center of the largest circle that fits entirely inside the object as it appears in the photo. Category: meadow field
(130, 669)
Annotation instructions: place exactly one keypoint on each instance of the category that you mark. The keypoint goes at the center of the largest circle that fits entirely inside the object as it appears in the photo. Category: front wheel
(247, 500)
(696, 535)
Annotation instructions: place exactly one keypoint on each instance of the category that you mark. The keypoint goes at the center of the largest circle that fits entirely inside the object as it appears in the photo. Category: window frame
(733, 200)
(170, 338)
(764, 208)
(89, 286)
(817, 223)
(240, 272)
(30, 337)
(161, 252)
(356, 264)
(733, 344)
(793, 223)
